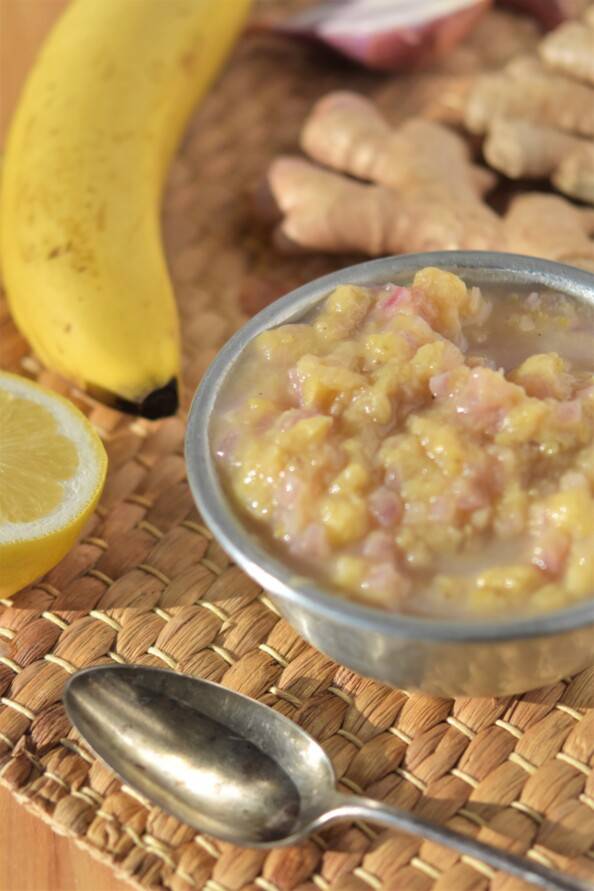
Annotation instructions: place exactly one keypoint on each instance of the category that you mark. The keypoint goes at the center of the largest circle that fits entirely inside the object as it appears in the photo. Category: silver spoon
(235, 769)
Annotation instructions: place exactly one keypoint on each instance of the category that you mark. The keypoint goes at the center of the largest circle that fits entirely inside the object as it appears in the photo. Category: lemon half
(52, 471)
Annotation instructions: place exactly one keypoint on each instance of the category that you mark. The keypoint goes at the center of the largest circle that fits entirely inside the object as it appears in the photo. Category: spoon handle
(352, 806)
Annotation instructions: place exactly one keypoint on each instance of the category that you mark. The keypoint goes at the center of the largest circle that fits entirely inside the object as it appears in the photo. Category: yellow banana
(88, 150)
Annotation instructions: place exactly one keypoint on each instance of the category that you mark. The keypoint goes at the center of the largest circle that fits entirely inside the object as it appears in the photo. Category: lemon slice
(52, 470)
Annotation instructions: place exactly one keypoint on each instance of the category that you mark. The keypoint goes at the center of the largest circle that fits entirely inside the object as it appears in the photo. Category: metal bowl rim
(243, 545)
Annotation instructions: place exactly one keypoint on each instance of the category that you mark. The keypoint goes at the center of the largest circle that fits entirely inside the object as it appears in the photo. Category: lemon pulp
(52, 469)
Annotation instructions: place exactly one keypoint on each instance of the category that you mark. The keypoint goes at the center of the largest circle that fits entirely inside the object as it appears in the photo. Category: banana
(99, 119)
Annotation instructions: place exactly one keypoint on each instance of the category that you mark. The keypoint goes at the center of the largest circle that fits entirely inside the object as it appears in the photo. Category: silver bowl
(440, 656)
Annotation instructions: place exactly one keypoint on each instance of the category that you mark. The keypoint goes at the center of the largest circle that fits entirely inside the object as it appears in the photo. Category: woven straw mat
(149, 585)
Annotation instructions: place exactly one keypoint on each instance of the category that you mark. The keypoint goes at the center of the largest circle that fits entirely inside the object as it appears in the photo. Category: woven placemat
(148, 584)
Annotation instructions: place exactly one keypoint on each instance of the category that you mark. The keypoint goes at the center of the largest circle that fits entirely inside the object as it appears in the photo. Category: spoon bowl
(219, 761)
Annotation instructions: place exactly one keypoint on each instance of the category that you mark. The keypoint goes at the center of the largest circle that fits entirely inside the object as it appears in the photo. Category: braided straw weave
(148, 584)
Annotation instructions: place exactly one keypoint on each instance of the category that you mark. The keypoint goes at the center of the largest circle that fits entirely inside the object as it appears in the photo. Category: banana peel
(88, 150)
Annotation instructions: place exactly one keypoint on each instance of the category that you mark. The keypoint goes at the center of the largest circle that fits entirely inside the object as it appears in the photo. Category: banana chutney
(425, 449)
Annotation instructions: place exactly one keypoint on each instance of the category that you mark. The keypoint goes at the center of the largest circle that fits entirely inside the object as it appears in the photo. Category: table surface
(32, 857)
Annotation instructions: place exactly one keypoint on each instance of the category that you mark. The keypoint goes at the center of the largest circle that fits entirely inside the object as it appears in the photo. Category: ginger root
(425, 193)
(414, 188)
(549, 226)
(523, 149)
(570, 49)
(496, 39)
(537, 113)
(526, 89)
